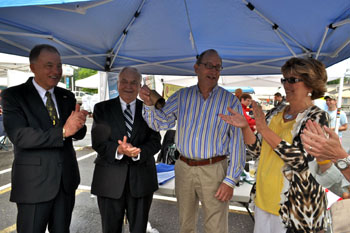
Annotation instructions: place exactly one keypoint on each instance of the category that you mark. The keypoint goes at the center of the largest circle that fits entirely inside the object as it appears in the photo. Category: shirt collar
(41, 90)
(215, 89)
(124, 104)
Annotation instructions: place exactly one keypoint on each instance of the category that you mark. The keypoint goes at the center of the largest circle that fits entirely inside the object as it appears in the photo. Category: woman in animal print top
(288, 197)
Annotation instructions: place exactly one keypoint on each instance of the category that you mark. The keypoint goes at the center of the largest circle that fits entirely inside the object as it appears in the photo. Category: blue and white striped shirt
(200, 132)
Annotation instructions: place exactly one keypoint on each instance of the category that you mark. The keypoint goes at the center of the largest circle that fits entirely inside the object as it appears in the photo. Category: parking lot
(86, 218)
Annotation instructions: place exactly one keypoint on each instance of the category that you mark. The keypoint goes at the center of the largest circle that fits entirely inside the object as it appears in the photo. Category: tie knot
(128, 106)
(48, 94)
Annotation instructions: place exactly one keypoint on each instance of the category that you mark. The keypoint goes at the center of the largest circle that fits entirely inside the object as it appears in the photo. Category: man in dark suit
(41, 119)
(125, 174)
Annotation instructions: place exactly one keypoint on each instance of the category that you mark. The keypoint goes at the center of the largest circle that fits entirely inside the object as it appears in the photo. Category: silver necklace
(288, 116)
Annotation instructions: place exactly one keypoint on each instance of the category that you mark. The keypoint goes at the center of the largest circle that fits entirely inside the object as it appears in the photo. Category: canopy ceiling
(164, 37)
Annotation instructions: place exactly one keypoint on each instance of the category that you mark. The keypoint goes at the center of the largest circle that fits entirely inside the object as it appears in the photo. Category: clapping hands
(127, 149)
(75, 121)
(239, 121)
(235, 119)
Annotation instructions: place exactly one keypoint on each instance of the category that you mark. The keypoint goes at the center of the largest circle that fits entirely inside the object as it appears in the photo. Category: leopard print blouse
(303, 200)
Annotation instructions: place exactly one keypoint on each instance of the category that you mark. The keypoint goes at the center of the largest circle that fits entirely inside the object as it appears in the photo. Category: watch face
(341, 164)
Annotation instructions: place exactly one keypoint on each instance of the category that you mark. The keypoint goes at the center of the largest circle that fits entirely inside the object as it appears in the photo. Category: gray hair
(130, 69)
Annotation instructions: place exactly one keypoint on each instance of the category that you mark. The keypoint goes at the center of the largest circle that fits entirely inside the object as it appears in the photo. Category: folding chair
(3, 137)
(168, 153)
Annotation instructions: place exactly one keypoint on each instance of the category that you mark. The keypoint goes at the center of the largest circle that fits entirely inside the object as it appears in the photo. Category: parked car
(79, 96)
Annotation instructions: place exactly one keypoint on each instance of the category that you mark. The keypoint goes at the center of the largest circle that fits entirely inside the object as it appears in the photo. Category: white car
(79, 96)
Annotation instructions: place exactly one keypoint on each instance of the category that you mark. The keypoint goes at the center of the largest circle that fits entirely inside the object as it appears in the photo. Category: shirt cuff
(230, 182)
(118, 156)
(148, 108)
(332, 176)
(136, 158)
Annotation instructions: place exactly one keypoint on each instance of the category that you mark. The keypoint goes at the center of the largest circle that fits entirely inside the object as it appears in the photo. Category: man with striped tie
(125, 176)
(212, 154)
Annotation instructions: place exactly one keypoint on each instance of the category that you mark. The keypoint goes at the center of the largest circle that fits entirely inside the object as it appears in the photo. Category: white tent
(91, 82)
(15, 70)
(12, 62)
(263, 85)
(338, 70)
(226, 81)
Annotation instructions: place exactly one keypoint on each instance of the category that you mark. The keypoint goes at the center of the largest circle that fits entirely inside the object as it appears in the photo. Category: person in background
(41, 121)
(288, 197)
(125, 176)
(278, 99)
(246, 100)
(238, 92)
(328, 148)
(212, 154)
(331, 102)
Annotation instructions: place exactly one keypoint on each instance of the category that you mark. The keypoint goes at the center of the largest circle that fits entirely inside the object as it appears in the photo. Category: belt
(202, 162)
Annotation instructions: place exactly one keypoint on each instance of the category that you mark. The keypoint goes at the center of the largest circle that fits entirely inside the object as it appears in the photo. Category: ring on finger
(310, 147)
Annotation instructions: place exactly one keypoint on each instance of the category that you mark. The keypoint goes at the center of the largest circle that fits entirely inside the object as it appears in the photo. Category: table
(241, 193)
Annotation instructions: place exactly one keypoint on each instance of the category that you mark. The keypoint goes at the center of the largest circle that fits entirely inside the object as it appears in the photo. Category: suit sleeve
(102, 141)
(151, 145)
(80, 134)
(25, 134)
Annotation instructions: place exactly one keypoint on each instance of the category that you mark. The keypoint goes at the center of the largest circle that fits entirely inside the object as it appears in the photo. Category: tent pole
(340, 93)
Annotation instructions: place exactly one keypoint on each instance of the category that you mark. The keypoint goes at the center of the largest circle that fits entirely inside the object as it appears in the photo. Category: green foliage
(81, 73)
(89, 90)
(337, 81)
(333, 82)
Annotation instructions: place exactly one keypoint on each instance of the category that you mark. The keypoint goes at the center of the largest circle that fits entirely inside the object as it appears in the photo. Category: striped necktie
(51, 109)
(128, 120)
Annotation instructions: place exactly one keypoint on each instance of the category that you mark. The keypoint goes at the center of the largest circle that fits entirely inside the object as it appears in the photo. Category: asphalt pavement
(86, 218)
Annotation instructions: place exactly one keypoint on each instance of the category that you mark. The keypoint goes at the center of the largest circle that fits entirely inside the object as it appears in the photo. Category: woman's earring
(309, 94)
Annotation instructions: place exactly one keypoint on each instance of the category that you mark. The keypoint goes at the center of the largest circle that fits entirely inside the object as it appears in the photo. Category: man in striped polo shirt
(212, 152)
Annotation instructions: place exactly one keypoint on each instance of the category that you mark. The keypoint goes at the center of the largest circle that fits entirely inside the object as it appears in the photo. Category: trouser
(56, 214)
(200, 183)
(266, 222)
(113, 210)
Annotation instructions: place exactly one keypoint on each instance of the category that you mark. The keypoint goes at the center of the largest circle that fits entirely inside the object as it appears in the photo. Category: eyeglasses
(291, 80)
(211, 66)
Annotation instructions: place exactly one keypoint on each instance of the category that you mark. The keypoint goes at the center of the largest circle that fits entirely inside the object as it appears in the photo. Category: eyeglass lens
(290, 80)
(211, 66)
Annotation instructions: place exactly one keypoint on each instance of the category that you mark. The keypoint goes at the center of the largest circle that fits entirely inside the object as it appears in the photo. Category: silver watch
(343, 163)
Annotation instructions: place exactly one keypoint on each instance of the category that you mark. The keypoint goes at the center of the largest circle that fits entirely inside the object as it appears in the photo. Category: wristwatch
(343, 163)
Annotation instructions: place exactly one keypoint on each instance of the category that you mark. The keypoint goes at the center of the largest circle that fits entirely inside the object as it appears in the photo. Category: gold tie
(51, 109)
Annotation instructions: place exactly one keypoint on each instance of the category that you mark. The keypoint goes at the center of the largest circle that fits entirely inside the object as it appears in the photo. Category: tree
(337, 81)
(81, 73)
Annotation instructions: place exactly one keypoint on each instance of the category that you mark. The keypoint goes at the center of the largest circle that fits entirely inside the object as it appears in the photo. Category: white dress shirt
(42, 93)
(133, 110)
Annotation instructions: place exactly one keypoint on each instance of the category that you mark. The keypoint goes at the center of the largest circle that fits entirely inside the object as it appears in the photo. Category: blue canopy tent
(244, 89)
(164, 37)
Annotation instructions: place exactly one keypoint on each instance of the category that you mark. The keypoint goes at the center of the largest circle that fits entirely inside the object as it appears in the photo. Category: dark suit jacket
(42, 157)
(110, 174)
